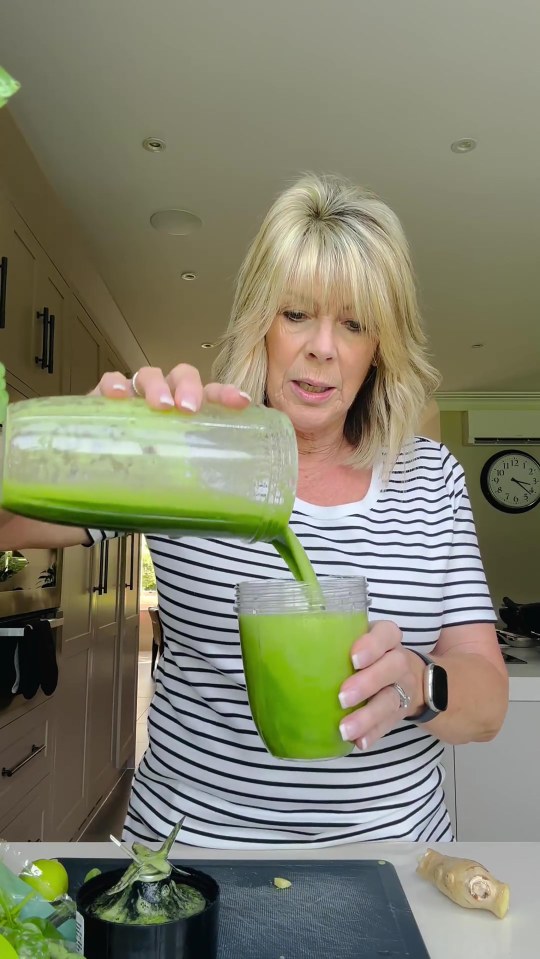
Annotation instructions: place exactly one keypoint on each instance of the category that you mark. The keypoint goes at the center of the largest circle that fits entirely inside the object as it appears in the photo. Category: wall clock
(510, 481)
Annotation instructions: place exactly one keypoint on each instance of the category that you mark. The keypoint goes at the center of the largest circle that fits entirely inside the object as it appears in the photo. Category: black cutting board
(340, 909)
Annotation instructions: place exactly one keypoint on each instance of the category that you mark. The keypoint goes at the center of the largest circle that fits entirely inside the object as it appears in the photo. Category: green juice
(294, 666)
(201, 511)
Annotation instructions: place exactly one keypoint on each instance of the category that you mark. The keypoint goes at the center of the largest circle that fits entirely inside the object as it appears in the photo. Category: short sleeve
(98, 535)
(466, 596)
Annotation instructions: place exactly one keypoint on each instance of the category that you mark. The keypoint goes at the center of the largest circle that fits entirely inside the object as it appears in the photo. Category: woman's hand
(381, 660)
(182, 387)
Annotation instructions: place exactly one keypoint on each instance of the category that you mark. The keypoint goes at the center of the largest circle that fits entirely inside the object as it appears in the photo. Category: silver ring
(134, 383)
(404, 699)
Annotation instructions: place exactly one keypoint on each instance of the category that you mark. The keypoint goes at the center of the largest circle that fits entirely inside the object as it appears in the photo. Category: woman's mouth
(311, 390)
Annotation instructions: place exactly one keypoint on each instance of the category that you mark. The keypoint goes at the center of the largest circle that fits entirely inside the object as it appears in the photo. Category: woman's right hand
(182, 387)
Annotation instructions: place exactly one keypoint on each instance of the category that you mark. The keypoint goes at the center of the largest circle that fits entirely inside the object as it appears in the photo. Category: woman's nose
(321, 344)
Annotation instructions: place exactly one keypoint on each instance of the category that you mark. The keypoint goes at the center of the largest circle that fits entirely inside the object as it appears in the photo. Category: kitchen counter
(449, 931)
(524, 679)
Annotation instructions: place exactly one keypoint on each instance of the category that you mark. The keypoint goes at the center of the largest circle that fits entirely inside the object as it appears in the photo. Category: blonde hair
(323, 233)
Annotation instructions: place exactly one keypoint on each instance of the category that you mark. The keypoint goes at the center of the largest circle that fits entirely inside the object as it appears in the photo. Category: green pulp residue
(149, 891)
(8, 86)
(4, 398)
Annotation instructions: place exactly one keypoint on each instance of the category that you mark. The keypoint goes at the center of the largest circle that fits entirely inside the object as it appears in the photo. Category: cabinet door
(19, 342)
(30, 823)
(34, 294)
(498, 783)
(83, 353)
(127, 656)
(109, 362)
(88, 355)
(101, 699)
(69, 805)
(132, 576)
(126, 691)
(52, 297)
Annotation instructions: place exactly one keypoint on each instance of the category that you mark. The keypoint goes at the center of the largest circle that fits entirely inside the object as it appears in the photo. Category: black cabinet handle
(50, 362)
(106, 576)
(3, 291)
(99, 588)
(132, 567)
(43, 360)
(131, 584)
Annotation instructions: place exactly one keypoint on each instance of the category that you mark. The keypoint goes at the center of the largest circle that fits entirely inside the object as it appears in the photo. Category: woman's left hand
(381, 661)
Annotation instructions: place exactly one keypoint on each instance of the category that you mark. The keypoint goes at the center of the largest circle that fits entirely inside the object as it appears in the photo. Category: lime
(52, 883)
(92, 875)
(6, 949)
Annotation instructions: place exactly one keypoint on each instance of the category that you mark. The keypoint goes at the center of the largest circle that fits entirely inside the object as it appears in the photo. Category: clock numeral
(516, 499)
(499, 489)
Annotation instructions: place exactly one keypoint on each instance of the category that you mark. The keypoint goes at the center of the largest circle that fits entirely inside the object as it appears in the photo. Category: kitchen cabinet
(498, 783)
(26, 751)
(97, 690)
(127, 655)
(88, 354)
(102, 680)
(33, 305)
(29, 823)
(69, 801)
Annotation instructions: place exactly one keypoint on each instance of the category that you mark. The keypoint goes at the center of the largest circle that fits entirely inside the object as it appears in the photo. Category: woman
(325, 328)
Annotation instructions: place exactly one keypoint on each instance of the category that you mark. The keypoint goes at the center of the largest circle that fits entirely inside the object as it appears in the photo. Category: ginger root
(282, 883)
(465, 882)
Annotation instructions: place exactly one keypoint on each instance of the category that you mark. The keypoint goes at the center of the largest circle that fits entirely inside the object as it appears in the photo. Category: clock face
(510, 481)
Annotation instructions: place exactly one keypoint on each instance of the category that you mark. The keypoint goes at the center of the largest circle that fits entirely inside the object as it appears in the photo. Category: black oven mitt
(28, 663)
(48, 667)
(8, 675)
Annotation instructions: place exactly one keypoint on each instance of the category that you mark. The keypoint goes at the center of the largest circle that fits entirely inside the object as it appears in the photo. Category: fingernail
(189, 405)
(363, 743)
(166, 399)
(346, 732)
(360, 660)
(120, 387)
(346, 699)
(245, 395)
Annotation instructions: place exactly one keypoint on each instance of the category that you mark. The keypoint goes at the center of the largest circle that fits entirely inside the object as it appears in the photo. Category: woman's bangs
(327, 274)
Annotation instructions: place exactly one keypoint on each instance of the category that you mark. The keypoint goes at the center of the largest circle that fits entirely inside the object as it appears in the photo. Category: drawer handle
(35, 751)
(3, 291)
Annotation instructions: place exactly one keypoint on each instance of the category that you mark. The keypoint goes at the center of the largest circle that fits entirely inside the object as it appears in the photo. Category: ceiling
(249, 93)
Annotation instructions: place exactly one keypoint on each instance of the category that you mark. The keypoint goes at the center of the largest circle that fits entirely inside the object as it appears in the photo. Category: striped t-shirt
(414, 540)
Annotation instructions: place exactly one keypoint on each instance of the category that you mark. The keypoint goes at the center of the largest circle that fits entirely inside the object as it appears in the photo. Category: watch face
(439, 687)
(510, 481)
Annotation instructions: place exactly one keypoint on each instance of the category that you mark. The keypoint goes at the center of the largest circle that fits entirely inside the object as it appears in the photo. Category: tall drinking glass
(296, 649)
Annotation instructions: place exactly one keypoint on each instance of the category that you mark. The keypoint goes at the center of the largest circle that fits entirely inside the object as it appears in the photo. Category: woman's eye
(294, 315)
(353, 325)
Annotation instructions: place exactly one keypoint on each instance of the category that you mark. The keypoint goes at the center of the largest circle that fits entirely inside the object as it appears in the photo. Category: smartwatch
(435, 690)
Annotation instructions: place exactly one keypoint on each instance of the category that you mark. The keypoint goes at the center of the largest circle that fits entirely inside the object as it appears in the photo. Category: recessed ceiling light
(154, 144)
(477, 346)
(189, 276)
(207, 346)
(465, 145)
(175, 222)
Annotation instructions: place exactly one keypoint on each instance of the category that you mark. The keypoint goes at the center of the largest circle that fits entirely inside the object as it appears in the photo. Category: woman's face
(317, 362)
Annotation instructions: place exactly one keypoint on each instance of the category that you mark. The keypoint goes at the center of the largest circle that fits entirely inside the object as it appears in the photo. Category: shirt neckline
(362, 506)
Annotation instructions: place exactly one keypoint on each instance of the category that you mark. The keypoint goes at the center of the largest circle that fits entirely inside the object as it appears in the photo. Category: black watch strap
(428, 713)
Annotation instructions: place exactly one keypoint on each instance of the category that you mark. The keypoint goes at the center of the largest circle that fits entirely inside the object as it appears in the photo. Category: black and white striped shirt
(415, 542)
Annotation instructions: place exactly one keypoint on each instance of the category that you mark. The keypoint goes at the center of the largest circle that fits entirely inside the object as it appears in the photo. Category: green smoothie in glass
(296, 652)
